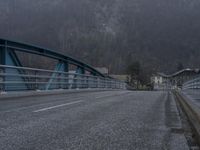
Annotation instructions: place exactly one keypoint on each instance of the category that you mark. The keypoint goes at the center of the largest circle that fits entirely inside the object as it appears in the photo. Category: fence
(23, 78)
(192, 84)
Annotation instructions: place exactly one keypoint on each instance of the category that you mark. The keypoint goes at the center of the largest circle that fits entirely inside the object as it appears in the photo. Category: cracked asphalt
(104, 120)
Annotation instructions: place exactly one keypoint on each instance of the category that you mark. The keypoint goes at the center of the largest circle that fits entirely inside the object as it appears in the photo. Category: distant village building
(102, 70)
(105, 71)
(162, 81)
(159, 81)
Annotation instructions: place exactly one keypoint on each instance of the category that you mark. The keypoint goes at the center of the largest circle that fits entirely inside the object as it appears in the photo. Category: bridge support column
(2, 70)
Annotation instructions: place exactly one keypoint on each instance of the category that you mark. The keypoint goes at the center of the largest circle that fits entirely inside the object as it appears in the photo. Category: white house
(159, 81)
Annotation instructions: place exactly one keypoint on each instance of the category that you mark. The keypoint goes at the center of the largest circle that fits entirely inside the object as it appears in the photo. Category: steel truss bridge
(14, 76)
(91, 118)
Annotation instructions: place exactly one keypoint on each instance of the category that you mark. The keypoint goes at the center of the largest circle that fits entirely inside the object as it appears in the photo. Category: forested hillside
(114, 33)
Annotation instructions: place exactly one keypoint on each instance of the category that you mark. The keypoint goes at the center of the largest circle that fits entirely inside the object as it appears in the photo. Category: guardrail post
(97, 83)
(87, 82)
(106, 83)
(2, 81)
(36, 80)
(2, 62)
(81, 71)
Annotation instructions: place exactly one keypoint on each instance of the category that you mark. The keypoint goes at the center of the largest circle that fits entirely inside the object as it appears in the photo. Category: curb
(192, 112)
(17, 95)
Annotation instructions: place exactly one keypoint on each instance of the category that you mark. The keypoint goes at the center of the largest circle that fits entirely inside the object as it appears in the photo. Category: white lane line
(56, 106)
(34, 105)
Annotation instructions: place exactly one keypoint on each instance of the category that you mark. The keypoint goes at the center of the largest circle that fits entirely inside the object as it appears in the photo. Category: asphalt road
(106, 120)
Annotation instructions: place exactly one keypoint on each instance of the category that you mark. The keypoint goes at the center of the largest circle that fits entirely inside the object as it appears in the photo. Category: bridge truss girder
(9, 57)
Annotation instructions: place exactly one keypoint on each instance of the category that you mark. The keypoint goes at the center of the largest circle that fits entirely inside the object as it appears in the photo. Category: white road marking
(52, 107)
(34, 105)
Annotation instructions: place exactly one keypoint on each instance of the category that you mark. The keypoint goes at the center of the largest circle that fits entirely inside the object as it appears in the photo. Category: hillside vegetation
(113, 33)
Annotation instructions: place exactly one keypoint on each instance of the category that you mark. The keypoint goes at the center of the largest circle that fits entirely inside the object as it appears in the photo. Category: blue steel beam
(80, 70)
(60, 66)
(16, 46)
(9, 57)
(15, 58)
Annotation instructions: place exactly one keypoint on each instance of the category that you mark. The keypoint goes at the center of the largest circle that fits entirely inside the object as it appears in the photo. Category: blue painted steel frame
(16, 46)
(59, 67)
(9, 57)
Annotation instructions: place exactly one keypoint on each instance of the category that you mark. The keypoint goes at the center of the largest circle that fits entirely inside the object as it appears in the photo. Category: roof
(180, 72)
(102, 70)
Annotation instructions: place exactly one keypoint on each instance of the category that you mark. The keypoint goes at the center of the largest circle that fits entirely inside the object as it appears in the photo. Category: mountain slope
(111, 33)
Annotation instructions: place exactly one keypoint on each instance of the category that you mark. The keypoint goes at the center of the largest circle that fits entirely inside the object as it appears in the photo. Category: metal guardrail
(192, 84)
(191, 109)
(188, 99)
(23, 78)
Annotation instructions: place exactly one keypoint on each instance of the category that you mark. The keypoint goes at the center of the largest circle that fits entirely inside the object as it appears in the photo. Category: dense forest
(112, 33)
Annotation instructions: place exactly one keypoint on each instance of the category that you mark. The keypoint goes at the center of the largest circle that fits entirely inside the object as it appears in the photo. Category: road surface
(105, 120)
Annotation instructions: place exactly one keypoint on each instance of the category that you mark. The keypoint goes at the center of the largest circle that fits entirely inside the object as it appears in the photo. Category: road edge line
(46, 93)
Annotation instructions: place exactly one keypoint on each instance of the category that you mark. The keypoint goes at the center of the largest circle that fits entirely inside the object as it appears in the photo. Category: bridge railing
(192, 84)
(14, 78)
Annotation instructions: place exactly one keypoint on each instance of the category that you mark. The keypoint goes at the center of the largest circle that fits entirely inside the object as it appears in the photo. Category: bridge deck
(96, 120)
